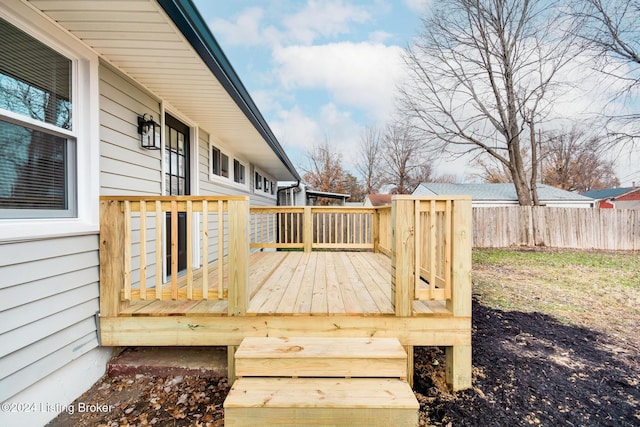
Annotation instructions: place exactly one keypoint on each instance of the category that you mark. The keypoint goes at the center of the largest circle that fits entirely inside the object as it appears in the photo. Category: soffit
(137, 37)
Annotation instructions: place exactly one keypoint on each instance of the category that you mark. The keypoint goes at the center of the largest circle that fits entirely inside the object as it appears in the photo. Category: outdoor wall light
(149, 132)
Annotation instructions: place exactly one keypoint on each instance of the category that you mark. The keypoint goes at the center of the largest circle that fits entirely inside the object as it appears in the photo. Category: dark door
(176, 157)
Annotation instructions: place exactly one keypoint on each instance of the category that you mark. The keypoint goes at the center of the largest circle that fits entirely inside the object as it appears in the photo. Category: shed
(616, 198)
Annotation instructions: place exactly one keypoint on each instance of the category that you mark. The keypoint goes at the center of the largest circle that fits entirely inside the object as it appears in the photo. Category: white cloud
(379, 36)
(246, 30)
(323, 18)
(315, 20)
(363, 75)
(419, 6)
(299, 133)
(294, 128)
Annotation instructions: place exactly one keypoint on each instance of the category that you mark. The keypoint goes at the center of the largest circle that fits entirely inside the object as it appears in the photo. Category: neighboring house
(616, 198)
(299, 194)
(377, 200)
(491, 195)
(77, 78)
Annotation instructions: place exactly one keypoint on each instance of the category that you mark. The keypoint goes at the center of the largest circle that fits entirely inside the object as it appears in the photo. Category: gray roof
(496, 192)
(609, 193)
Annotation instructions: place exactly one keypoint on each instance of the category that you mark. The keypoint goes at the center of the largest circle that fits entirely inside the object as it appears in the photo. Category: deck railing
(431, 251)
(312, 227)
(133, 249)
(428, 241)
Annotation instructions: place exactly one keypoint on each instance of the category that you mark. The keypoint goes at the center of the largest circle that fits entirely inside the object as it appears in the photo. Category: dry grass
(598, 290)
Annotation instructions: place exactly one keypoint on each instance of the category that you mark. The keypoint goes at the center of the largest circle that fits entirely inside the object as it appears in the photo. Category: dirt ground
(528, 370)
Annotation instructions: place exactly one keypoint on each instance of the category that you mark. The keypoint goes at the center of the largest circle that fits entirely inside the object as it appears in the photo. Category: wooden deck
(299, 283)
(400, 272)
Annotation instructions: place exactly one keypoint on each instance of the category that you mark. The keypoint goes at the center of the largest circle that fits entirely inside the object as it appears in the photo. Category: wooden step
(350, 402)
(321, 357)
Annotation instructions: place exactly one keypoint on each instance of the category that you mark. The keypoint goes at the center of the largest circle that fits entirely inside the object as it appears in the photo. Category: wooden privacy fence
(576, 228)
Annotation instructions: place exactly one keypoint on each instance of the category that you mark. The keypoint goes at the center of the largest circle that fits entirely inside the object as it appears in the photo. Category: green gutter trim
(189, 21)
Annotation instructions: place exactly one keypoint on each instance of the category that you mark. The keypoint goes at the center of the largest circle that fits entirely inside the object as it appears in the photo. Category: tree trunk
(534, 163)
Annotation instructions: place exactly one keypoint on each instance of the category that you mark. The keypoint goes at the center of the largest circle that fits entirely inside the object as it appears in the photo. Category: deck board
(320, 283)
(297, 283)
(268, 296)
(302, 304)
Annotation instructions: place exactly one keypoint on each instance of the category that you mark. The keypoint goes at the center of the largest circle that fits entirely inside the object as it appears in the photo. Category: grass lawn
(597, 290)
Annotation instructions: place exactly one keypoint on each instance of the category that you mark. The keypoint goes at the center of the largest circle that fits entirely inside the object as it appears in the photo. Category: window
(265, 185)
(238, 172)
(258, 181)
(224, 165)
(219, 162)
(37, 141)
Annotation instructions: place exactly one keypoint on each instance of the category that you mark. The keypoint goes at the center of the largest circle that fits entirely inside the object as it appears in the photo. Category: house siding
(125, 168)
(48, 299)
(220, 187)
(630, 200)
(49, 286)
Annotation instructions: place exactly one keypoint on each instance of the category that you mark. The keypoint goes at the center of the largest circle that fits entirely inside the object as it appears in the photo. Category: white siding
(227, 188)
(125, 168)
(48, 298)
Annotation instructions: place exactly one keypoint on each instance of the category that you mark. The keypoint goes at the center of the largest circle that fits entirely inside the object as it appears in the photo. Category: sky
(323, 70)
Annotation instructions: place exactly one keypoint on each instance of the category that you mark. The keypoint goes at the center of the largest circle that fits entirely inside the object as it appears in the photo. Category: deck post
(238, 216)
(458, 358)
(111, 257)
(402, 254)
(375, 230)
(307, 229)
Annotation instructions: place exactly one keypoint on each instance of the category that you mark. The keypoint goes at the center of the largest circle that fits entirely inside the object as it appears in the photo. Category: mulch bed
(529, 369)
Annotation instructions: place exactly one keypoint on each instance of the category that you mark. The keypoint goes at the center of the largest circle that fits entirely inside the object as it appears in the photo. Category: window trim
(259, 187)
(85, 131)
(221, 152)
(228, 180)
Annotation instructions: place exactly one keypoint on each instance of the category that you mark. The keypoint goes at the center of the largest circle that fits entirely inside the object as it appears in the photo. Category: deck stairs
(321, 382)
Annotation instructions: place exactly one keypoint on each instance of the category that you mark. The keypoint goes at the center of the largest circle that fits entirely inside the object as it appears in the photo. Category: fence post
(458, 358)
(111, 257)
(402, 254)
(238, 214)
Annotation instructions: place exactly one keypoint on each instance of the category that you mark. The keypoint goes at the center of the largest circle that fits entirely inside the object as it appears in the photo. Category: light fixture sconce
(149, 132)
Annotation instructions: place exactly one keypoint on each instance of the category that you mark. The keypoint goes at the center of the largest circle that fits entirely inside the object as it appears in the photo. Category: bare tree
(610, 30)
(483, 73)
(369, 158)
(325, 171)
(407, 161)
(575, 161)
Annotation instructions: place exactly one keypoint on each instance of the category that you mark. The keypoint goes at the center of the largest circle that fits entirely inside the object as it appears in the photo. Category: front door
(176, 157)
